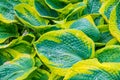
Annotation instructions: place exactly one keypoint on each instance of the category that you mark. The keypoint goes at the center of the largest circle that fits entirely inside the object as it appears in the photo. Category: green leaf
(44, 10)
(114, 22)
(5, 56)
(6, 45)
(17, 61)
(91, 69)
(113, 41)
(105, 34)
(38, 74)
(71, 1)
(98, 20)
(7, 31)
(56, 5)
(109, 54)
(28, 37)
(61, 49)
(86, 25)
(7, 13)
(107, 8)
(93, 6)
(29, 16)
(18, 69)
(76, 11)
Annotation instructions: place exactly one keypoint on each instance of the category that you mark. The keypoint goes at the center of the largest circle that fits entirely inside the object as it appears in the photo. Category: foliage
(59, 40)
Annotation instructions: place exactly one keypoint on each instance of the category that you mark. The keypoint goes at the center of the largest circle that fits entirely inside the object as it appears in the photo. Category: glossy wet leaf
(63, 48)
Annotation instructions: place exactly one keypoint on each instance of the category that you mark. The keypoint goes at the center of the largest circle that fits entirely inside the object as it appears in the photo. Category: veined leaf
(105, 34)
(7, 13)
(109, 54)
(86, 25)
(29, 37)
(76, 11)
(7, 31)
(93, 70)
(93, 6)
(5, 56)
(18, 61)
(61, 49)
(18, 69)
(114, 25)
(28, 16)
(38, 74)
(44, 10)
(107, 8)
(98, 20)
(113, 41)
(57, 5)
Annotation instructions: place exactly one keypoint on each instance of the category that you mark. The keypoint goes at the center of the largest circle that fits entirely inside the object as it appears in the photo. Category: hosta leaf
(28, 15)
(114, 24)
(5, 56)
(109, 54)
(98, 20)
(18, 61)
(22, 47)
(18, 69)
(86, 25)
(105, 34)
(38, 62)
(28, 37)
(61, 49)
(38, 74)
(44, 10)
(76, 11)
(55, 77)
(107, 8)
(7, 13)
(113, 41)
(7, 31)
(93, 6)
(93, 70)
(56, 5)
(5, 45)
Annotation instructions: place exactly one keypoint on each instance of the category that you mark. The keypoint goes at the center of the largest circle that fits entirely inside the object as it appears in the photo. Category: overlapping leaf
(56, 39)
(109, 54)
(107, 8)
(114, 22)
(92, 70)
(7, 13)
(86, 25)
(63, 48)
(44, 10)
(7, 31)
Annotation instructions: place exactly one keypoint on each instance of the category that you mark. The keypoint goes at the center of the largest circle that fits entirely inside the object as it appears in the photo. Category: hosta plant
(59, 40)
